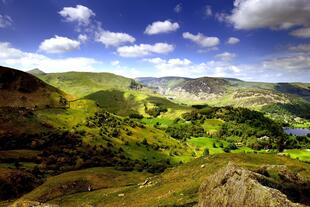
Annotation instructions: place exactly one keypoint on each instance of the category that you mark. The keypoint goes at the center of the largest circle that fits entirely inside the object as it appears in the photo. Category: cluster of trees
(242, 124)
(185, 131)
(299, 142)
(155, 111)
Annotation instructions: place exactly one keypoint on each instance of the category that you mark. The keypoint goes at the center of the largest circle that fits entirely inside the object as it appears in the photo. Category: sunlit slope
(177, 186)
(81, 84)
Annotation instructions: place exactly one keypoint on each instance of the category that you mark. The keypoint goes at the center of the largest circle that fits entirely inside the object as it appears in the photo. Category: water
(296, 131)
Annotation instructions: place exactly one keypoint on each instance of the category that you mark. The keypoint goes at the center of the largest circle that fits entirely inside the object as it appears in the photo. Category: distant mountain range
(292, 98)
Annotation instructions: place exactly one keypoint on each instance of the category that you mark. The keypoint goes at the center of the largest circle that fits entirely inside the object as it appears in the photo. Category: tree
(206, 152)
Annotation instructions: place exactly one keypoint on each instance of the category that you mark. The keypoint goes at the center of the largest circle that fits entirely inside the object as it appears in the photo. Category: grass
(205, 142)
(175, 187)
(81, 109)
(81, 84)
(212, 126)
(300, 154)
(78, 181)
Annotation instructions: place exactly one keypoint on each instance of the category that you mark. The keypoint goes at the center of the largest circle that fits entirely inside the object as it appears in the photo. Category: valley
(99, 139)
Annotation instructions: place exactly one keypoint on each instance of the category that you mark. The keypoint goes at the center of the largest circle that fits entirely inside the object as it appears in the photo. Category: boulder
(234, 186)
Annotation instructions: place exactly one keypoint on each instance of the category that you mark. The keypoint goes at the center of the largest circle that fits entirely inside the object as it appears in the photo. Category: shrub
(135, 116)
(226, 149)
(206, 152)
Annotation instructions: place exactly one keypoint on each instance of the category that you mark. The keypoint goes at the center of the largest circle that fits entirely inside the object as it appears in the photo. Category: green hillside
(175, 187)
(19, 89)
(126, 142)
(81, 84)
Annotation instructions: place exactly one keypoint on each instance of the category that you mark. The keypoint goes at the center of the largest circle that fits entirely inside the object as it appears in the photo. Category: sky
(252, 40)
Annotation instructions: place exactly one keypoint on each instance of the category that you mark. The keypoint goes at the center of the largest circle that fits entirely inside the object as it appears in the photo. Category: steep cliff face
(235, 186)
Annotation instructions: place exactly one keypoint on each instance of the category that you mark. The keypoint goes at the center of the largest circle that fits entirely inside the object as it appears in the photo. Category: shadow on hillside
(292, 89)
(114, 101)
(301, 109)
(159, 101)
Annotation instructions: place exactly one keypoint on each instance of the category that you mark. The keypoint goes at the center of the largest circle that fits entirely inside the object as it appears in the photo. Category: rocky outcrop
(234, 186)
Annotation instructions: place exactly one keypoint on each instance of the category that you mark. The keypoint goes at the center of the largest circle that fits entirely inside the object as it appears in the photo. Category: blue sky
(254, 40)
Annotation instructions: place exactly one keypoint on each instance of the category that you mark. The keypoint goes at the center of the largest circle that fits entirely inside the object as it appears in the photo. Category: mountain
(36, 71)
(292, 99)
(20, 89)
(114, 93)
(81, 84)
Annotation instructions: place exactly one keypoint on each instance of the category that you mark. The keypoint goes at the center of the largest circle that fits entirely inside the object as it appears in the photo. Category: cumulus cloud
(202, 40)
(59, 44)
(161, 27)
(178, 8)
(113, 38)
(304, 48)
(233, 41)
(144, 49)
(13, 57)
(280, 14)
(226, 56)
(186, 68)
(302, 32)
(80, 14)
(5, 21)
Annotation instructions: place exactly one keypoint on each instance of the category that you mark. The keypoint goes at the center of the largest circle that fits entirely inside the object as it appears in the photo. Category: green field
(303, 155)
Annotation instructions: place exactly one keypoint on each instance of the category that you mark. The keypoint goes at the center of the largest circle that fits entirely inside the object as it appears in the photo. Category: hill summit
(20, 89)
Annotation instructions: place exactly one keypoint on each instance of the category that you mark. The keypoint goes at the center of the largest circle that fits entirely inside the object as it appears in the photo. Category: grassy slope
(81, 84)
(176, 186)
(111, 92)
(80, 110)
(20, 89)
(78, 181)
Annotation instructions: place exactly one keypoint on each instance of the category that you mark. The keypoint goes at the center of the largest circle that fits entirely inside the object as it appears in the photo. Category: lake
(296, 131)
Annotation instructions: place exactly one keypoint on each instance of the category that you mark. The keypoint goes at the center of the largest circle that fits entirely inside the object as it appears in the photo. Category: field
(303, 155)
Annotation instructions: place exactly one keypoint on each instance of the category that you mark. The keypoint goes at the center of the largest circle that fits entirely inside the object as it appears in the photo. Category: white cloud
(5, 21)
(302, 32)
(226, 56)
(291, 63)
(233, 40)
(202, 40)
(113, 38)
(83, 38)
(186, 68)
(12, 57)
(178, 8)
(208, 11)
(115, 62)
(280, 14)
(144, 50)
(300, 48)
(59, 44)
(80, 14)
(161, 27)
